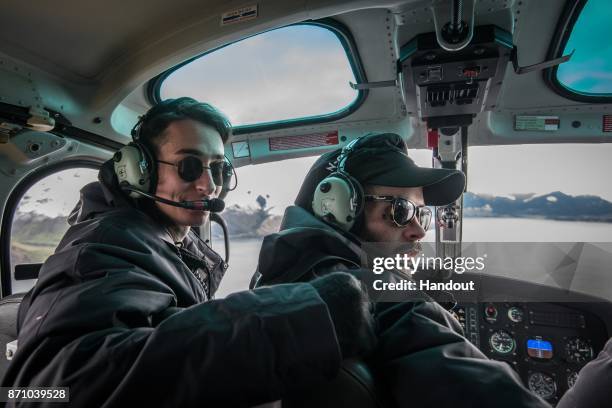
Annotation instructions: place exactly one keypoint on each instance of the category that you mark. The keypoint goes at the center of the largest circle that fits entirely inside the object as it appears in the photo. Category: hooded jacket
(422, 358)
(120, 314)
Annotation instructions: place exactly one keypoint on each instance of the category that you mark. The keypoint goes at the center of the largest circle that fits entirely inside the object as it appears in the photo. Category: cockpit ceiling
(85, 40)
(82, 39)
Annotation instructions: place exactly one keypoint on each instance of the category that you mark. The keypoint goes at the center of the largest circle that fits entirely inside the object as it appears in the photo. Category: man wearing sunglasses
(122, 312)
(371, 192)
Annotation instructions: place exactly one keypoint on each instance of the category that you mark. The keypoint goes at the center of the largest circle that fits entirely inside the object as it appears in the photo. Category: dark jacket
(422, 356)
(120, 315)
(593, 388)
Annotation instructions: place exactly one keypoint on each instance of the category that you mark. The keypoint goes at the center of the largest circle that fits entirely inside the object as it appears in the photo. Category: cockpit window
(41, 219)
(589, 71)
(299, 73)
(555, 194)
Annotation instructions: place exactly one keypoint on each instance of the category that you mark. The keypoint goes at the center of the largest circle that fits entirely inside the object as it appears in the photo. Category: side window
(254, 210)
(40, 218)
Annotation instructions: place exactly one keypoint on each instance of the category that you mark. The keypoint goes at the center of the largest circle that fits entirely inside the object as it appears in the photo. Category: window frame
(565, 26)
(348, 44)
(11, 206)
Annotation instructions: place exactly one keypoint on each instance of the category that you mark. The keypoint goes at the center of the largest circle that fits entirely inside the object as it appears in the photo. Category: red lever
(432, 138)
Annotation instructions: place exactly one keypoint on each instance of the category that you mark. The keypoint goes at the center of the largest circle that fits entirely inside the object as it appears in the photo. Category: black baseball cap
(382, 159)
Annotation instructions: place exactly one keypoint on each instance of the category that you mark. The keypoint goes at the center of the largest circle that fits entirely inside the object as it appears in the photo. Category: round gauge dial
(542, 384)
(502, 342)
(516, 314)
(578, 350)
(572, 376)
(490, 313)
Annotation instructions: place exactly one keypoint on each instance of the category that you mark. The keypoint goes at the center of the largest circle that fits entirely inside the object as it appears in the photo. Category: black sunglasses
(191, 168)
(403, 211)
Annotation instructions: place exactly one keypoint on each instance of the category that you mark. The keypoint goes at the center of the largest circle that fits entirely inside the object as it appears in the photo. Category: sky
(58, 193)
(287, 73)
(303, 70)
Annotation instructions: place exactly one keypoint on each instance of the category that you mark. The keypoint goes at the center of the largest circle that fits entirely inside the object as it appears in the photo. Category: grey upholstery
(9, 307)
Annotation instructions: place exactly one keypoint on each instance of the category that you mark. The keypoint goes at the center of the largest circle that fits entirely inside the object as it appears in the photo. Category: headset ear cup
(228, 171)
(334, 200)
(339, 198)
(360, 200)
(150, 165)
(358, 194)
(130, 168)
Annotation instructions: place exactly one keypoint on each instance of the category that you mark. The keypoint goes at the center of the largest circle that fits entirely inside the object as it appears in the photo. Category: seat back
(9, 307)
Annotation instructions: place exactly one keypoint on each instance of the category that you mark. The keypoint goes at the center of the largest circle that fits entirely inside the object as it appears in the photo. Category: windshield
(538, 193)
(522, 194)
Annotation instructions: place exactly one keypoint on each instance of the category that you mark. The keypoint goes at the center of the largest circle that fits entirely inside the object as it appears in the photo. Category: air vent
(571, 320)
(460, 94)
(438, 95)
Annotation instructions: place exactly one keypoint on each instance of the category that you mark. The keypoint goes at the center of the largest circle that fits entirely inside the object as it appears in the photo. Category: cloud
(52, 196)
(290, 73)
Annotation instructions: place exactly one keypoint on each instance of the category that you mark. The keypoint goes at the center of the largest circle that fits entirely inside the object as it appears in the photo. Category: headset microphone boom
(208, 204)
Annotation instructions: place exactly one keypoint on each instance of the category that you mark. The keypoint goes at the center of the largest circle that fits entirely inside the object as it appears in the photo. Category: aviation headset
(339, 197)
(136, 166)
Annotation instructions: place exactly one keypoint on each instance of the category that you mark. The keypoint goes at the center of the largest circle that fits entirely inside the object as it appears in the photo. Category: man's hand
(349, 307)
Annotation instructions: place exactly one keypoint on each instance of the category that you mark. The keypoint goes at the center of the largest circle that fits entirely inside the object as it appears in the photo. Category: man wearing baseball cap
(371, 192)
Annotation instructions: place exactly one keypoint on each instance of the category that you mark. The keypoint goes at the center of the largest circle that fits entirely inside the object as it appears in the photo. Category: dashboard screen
(538, 348)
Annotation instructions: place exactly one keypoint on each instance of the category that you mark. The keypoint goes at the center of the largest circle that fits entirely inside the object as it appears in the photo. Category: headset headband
(344, 155)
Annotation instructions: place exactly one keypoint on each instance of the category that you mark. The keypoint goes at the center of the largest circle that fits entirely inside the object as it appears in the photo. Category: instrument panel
(545, 343)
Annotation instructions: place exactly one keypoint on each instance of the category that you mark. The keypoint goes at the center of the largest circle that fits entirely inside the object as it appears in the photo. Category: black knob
(117, 157)
(325, 187)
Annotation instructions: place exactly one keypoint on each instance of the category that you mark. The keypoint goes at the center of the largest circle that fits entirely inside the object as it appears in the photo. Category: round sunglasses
(403, 211)
(191, 168)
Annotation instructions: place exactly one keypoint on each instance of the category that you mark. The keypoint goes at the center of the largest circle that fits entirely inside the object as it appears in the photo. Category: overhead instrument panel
(451, 83)
(546, 343)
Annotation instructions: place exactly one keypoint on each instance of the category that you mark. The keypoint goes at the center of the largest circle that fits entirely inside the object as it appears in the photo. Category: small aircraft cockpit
(516, 94)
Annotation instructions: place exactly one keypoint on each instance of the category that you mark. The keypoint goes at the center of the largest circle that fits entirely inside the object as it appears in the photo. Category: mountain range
(34, 236)
(555, 205)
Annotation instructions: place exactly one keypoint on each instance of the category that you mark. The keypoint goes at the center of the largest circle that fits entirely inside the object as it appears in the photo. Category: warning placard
(536, 123)
(239, 15)
(607, 123)
(304, 141)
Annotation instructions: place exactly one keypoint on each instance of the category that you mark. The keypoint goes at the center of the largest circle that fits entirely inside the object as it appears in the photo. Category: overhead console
(447, 77)
(451, 83)
(447, 87)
